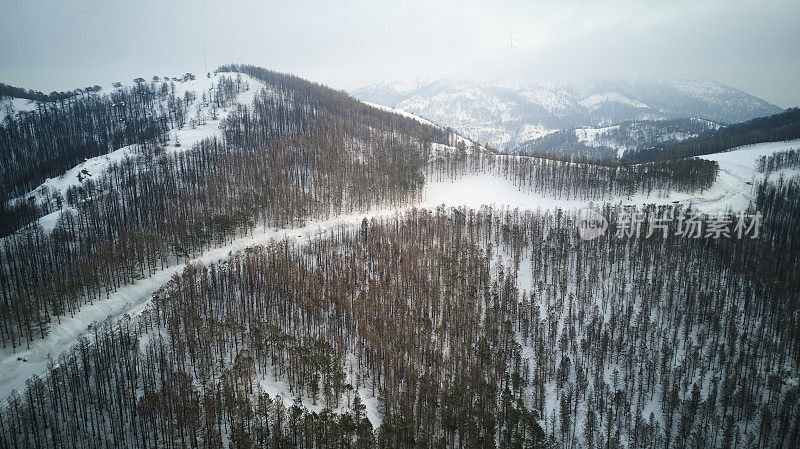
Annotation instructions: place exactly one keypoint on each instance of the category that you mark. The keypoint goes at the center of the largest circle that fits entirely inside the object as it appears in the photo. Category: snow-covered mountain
(505, 115)
(613, 141)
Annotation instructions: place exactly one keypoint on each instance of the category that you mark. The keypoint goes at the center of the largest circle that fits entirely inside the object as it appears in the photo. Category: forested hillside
(298, 152)
(472, 328)
(336, 311)
(775, 128)
(614, 141)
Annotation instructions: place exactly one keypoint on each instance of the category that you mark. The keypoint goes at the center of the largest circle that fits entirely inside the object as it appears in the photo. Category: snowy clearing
(476, 190)
(740, 161)
(594, 101)
(738, 174)
(10, 106)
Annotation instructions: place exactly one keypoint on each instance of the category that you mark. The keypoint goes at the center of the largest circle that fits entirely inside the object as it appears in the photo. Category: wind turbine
(511, 46)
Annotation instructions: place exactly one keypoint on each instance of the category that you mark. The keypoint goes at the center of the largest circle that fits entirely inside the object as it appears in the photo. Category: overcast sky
(750, 45)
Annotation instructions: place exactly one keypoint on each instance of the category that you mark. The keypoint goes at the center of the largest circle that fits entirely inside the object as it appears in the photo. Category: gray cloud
(62, 45)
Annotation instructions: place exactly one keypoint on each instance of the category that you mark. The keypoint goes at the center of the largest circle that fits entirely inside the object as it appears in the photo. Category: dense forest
(416, 328)
(65, 131)
(299, 152)
(8, 91)
(606, 143)
(778, 127)
(555, 176)
(779, 160)
(287, 158)
(412, 305)
(470, 328)
(59, 134)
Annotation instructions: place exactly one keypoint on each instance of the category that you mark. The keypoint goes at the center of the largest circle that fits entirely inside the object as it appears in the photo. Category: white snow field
(738, 174)
(740, 161)
(733, 188)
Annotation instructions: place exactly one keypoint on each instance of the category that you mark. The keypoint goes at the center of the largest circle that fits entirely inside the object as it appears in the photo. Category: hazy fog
(754, 46)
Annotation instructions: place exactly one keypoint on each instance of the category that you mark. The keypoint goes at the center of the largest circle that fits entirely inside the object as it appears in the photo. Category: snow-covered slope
(507, 114)
(456, 138)
(732, 189)
(201, 123)
(10, 106)
(16, 366)
(740, 162)
(615, 140)
(472, 190)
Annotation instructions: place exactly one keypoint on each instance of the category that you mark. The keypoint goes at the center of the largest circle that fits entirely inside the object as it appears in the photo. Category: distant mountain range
(507, 115)
(615, 140)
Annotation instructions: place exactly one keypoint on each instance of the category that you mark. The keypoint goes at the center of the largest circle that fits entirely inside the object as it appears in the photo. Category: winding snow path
(133, 298)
